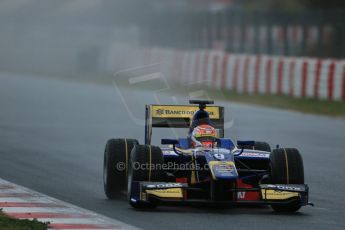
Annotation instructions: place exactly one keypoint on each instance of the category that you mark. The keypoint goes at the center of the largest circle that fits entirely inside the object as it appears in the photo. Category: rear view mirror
(169, 142)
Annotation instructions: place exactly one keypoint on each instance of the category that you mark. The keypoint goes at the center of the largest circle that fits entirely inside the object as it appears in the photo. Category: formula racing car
(203, 167)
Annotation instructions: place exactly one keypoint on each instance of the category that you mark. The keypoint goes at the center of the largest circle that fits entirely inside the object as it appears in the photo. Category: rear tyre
(286, 168)
(146, 165)
(261, 146)
(115, 165)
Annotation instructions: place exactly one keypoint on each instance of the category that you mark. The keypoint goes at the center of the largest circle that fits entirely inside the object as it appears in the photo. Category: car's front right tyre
(115, 165)
(146, 165)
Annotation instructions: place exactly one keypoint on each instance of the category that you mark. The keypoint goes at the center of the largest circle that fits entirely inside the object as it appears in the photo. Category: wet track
(52, 136)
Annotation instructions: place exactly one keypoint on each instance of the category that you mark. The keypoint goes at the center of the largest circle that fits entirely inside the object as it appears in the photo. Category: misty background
(77, 37)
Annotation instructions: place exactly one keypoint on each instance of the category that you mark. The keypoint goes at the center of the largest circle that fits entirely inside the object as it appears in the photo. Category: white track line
(22, 202)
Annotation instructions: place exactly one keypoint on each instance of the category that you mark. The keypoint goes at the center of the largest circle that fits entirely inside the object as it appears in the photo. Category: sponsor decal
(222, 169)
(281, 191)
(175, 111)
(169, 152)
(163, 185)
(268, 194)
(218, 150)
(285, 187)
(167, 193)
(255, 154)
(160, 112)
(241, 195)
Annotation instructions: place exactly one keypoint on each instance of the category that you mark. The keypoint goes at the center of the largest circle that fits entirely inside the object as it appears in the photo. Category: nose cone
(223, 170)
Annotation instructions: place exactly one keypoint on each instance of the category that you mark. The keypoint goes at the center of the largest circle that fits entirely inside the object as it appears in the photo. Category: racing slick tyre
(143, 167)
(261, 146)
(115, 168)
(286, 167)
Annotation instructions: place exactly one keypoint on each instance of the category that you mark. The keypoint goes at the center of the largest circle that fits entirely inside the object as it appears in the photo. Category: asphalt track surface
(52, 136)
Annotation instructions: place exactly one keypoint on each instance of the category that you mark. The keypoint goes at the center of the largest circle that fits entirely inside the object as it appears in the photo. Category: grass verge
(8, 223)
(312, 106)
(304, 105)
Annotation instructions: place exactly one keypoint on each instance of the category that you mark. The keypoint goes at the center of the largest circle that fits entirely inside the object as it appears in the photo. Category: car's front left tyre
(286, 166)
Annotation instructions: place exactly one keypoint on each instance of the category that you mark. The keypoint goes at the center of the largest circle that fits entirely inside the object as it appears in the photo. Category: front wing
(176, 193)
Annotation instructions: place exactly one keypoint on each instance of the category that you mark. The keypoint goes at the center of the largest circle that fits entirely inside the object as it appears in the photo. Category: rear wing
(179, 116)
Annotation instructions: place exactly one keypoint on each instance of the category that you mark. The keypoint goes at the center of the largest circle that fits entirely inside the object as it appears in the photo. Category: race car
(187, 171)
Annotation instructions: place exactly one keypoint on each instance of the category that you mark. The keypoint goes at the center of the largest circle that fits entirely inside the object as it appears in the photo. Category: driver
(204, 136)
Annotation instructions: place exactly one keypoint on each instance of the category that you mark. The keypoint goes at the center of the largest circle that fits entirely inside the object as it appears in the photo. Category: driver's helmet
(204, 136)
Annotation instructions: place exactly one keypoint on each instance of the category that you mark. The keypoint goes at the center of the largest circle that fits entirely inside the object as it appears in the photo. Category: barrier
(299, 77)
